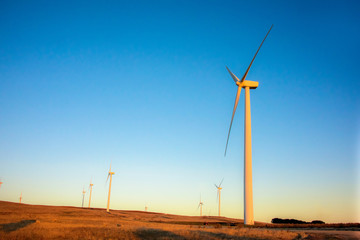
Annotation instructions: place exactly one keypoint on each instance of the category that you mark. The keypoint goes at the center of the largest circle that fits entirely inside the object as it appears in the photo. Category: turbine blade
(232, 118)
(216, 185)
(221, 182)
(107, 178)
(233, 75)
(243, 78)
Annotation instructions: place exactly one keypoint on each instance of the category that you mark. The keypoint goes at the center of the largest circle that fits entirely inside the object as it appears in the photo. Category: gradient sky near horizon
(143, 84)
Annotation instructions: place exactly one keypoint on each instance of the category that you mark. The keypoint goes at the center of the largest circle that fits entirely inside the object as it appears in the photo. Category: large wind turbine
(109, 174)
(20, 198)
(90, 186)
(248, 194)
(219, 193)
(83, 193)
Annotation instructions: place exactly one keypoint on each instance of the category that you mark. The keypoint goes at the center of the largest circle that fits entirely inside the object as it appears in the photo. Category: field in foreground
(22, 221)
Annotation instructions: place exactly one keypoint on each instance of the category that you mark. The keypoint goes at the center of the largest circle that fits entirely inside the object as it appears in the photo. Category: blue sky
(143, 84)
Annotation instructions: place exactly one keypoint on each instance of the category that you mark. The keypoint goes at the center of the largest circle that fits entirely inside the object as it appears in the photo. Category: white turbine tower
(200, 206)
(90, 187)
(109, 175)
(219, 188)
(83, 193)
(20, 198)
(243, 83)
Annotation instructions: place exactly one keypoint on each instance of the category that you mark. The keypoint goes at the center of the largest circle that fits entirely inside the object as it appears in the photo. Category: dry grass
(21, 221)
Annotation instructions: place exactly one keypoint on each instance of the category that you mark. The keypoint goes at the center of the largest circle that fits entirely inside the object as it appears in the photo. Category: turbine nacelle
(247, 83)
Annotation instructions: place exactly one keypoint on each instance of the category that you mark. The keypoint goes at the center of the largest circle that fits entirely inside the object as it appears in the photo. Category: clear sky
(143, 84)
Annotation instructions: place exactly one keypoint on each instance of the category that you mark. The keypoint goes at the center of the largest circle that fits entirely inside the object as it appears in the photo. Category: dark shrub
(317, 222)
(276, 220)
(292, 221)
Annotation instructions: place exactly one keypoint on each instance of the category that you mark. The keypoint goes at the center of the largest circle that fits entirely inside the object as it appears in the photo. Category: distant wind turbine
(109, 175)
(200, 206)
(248, 194)
(83, 193)
(90, 187)
(1, 183)
(20, 198)
(219, 193)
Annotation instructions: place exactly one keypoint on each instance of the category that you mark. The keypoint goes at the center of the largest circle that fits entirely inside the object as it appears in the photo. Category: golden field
(22, 221)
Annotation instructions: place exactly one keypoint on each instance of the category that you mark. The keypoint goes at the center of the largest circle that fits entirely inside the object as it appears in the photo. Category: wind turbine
(20, 198)
(83, 193)
(1, 183)
(109, 174)
(248, 194)
(90, 186)
(200, 206)
(219, 193)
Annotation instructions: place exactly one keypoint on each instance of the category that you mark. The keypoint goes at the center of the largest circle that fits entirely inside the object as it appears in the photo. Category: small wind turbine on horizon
(20, 198)
(1, 183)
(90, 187)
(83, 193)
(243, 83)
(219, 193)
(109, 175)
(200, 206)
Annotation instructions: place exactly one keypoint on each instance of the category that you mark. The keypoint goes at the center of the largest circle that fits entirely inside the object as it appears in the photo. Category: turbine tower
(83, 193)
(1, 183)
(109, 175)
(219, 193)
(200, 206)
(90, 187)
(247, 85)
(20, 198)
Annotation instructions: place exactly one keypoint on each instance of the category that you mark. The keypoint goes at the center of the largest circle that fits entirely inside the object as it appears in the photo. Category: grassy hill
(23, 221)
